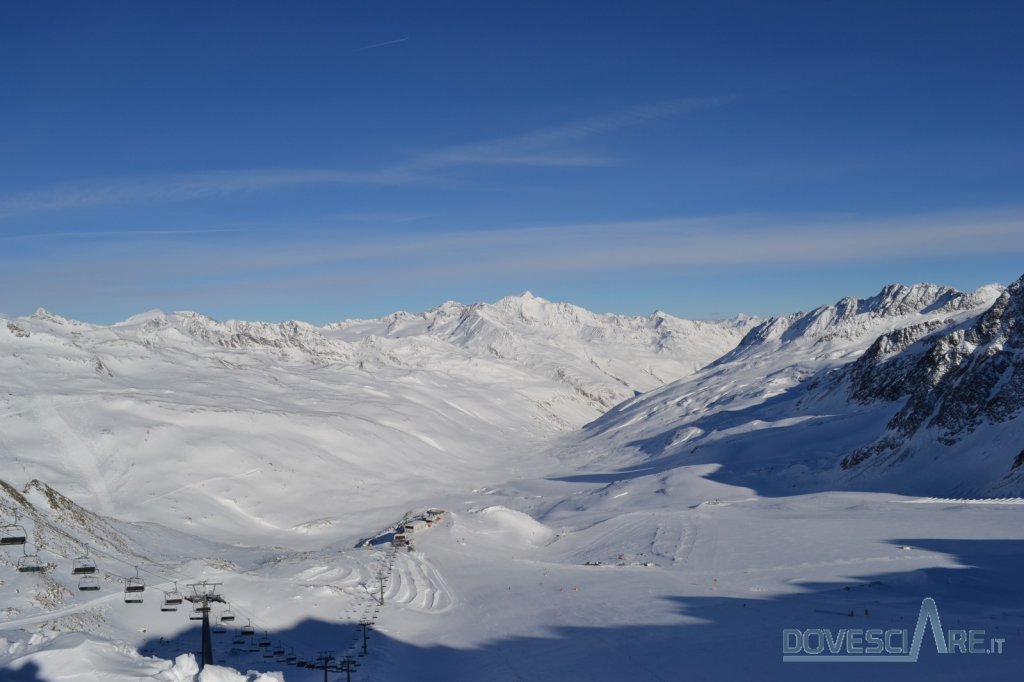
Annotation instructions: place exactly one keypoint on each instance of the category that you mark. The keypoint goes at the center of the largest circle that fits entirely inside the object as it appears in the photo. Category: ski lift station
(429, 518)
(416, 526)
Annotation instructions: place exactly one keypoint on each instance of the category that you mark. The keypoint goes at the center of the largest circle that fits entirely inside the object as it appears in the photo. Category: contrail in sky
(386, 42)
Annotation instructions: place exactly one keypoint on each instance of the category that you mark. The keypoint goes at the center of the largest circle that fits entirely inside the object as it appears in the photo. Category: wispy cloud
(530, 148)
(323, 266)
(539, 148)
(164, 188)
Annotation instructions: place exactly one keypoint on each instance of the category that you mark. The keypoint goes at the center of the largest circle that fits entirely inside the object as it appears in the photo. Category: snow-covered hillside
(912, 390)
(185, 420)
(742, 487)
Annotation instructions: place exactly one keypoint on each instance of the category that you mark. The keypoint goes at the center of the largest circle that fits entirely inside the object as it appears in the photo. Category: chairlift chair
(279, 650)
(13, 534)
(197, 614)
(88, 583)
(264, 640)
(227, 616)
(248, 630)
(133, 589)
(219, 629)
(135, 584)
(83, 565)
(30, 563)
(172, 599)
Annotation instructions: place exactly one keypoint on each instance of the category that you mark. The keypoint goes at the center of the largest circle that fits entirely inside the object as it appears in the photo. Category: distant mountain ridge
(915, 389)
(606, 357)
(851, 318)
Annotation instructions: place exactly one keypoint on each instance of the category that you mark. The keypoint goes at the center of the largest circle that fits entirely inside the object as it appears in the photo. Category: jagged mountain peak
(44, 315)
(851, 317)
(291, 338)
(152, 317)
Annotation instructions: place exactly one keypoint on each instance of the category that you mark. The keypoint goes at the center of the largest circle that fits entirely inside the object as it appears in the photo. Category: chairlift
(13, 534)
(227, 616)
(135, 584)
(83, 565)
(238, 639)
(264, 640)
(248, 630)
(219, 629)
(88, 583)
(133, 589)
(172, 600)
(197, 614)
(29, 563)
(279, 650)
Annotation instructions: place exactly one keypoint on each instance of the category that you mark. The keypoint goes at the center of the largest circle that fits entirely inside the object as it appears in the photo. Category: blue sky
(325, 160)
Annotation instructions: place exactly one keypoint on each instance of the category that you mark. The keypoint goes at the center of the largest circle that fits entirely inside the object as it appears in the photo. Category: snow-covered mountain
(815, 400)
(955, 383)
(605, 358)
(744, 485)
(247, 408)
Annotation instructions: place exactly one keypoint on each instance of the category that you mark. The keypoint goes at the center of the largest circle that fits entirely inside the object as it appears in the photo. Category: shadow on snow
(716, 638)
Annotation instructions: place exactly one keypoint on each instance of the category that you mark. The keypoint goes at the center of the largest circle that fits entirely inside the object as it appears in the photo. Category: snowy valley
(625, 497)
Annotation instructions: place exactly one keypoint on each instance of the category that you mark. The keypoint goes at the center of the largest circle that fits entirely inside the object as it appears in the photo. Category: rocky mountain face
(955, 378)
(915, 389)
(854, 318)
